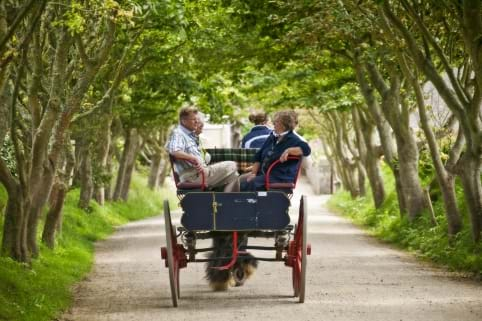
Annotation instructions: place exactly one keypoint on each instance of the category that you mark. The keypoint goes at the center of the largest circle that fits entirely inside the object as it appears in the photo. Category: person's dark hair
(258, 117)
(287, 118)
(186, 111)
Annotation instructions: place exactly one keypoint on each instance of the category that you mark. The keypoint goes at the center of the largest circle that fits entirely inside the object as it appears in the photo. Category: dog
(245, 266)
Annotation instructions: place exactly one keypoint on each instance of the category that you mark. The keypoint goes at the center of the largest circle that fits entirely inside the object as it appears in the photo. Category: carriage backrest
(242, 156)
(174, 174)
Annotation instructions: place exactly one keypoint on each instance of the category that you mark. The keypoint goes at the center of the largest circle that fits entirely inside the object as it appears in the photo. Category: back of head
(258, 117)
(287, 118)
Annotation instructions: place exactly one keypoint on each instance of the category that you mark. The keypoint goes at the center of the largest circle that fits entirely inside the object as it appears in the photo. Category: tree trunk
(126, 165)
(57, 199)
(37, 203)
(14, 242)
(397, 114)
(53, 222)
(369, 156)
(122, 167)
(444, 178)
(346, 164)
(383, 129)
(361, 179)
(155, 170)
(130, 164)
(101, 156)
(410, 181)
(86, 180)
(165, 165)
(470, 177)
(109, 170)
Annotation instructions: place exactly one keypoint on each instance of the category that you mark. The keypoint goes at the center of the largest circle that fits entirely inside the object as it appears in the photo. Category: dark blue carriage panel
(235, 211)
(273, 210)
(197, 211)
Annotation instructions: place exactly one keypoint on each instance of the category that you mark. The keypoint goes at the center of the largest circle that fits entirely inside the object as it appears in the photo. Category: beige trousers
(216, 175)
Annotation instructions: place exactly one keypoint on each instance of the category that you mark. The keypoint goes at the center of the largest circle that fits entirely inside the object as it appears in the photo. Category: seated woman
(281, 143)
(259, 133)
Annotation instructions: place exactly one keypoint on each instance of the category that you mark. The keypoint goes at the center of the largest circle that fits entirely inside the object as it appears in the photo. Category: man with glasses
(189, 162)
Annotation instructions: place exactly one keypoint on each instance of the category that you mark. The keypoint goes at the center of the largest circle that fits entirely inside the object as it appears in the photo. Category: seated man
(188, 164)
(282, 142)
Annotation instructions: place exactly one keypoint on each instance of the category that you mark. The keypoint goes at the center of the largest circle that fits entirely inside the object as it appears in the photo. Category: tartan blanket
(243, 156)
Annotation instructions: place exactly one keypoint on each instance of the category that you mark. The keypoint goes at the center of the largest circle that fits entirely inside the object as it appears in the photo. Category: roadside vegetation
(89, 89)
(40, 291)
(423, 238)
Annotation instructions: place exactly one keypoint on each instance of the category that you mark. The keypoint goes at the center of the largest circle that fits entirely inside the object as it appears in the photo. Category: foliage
(7, 153)
(420, 237)
(39, 292)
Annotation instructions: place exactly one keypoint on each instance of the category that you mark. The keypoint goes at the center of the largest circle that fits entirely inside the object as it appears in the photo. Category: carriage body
(244, 211)
(213, 215)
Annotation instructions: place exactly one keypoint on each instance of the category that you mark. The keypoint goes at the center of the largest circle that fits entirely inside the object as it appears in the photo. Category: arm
(290, 151)
(255, 168)
(254, 171)
(188, 157)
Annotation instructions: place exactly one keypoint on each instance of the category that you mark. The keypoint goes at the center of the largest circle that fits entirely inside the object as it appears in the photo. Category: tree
(462, 94)
(39, 144)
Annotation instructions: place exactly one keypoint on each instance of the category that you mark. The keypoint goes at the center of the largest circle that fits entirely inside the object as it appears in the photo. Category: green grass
(42, 291)
(420, 237)
(3, 199)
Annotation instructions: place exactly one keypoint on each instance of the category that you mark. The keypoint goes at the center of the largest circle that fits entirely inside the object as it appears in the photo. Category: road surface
(350, 276)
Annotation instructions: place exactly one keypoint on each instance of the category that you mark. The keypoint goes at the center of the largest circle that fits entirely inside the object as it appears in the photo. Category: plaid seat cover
(243, 156)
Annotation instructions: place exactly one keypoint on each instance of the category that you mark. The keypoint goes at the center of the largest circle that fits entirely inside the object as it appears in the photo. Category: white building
(216, 135)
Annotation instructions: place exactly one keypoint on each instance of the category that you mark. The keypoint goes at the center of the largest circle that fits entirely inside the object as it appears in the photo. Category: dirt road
(349, 277)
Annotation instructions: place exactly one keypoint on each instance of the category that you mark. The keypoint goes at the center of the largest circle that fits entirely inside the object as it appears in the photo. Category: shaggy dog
(246, 264)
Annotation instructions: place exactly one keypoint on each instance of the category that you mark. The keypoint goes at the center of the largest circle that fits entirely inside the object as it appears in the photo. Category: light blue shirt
(184, 140)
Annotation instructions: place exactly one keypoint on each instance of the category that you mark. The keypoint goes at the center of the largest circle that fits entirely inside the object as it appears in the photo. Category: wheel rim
(295, 267)
(300, 253)
(304, 250)
(171, 261)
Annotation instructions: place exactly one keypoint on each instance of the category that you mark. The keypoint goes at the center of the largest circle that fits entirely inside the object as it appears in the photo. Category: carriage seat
(183, 187)
(287, 187)
(244, 159)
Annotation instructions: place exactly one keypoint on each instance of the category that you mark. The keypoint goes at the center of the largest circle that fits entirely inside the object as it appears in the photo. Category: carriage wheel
(299, 250)
(172, 261)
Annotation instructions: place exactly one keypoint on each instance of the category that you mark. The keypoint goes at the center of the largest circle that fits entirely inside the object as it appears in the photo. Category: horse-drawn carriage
(236, 217)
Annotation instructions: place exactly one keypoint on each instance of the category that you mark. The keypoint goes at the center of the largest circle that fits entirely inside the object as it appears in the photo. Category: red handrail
(273, 164)
(172, 159)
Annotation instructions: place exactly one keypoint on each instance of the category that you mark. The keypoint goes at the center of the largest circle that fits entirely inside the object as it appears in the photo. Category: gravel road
(350, 276)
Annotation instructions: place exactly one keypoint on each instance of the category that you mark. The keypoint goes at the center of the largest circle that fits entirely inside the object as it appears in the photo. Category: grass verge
(43, 290)
(428, 241)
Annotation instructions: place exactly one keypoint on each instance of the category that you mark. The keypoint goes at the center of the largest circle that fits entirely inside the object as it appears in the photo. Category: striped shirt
(183, 140)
